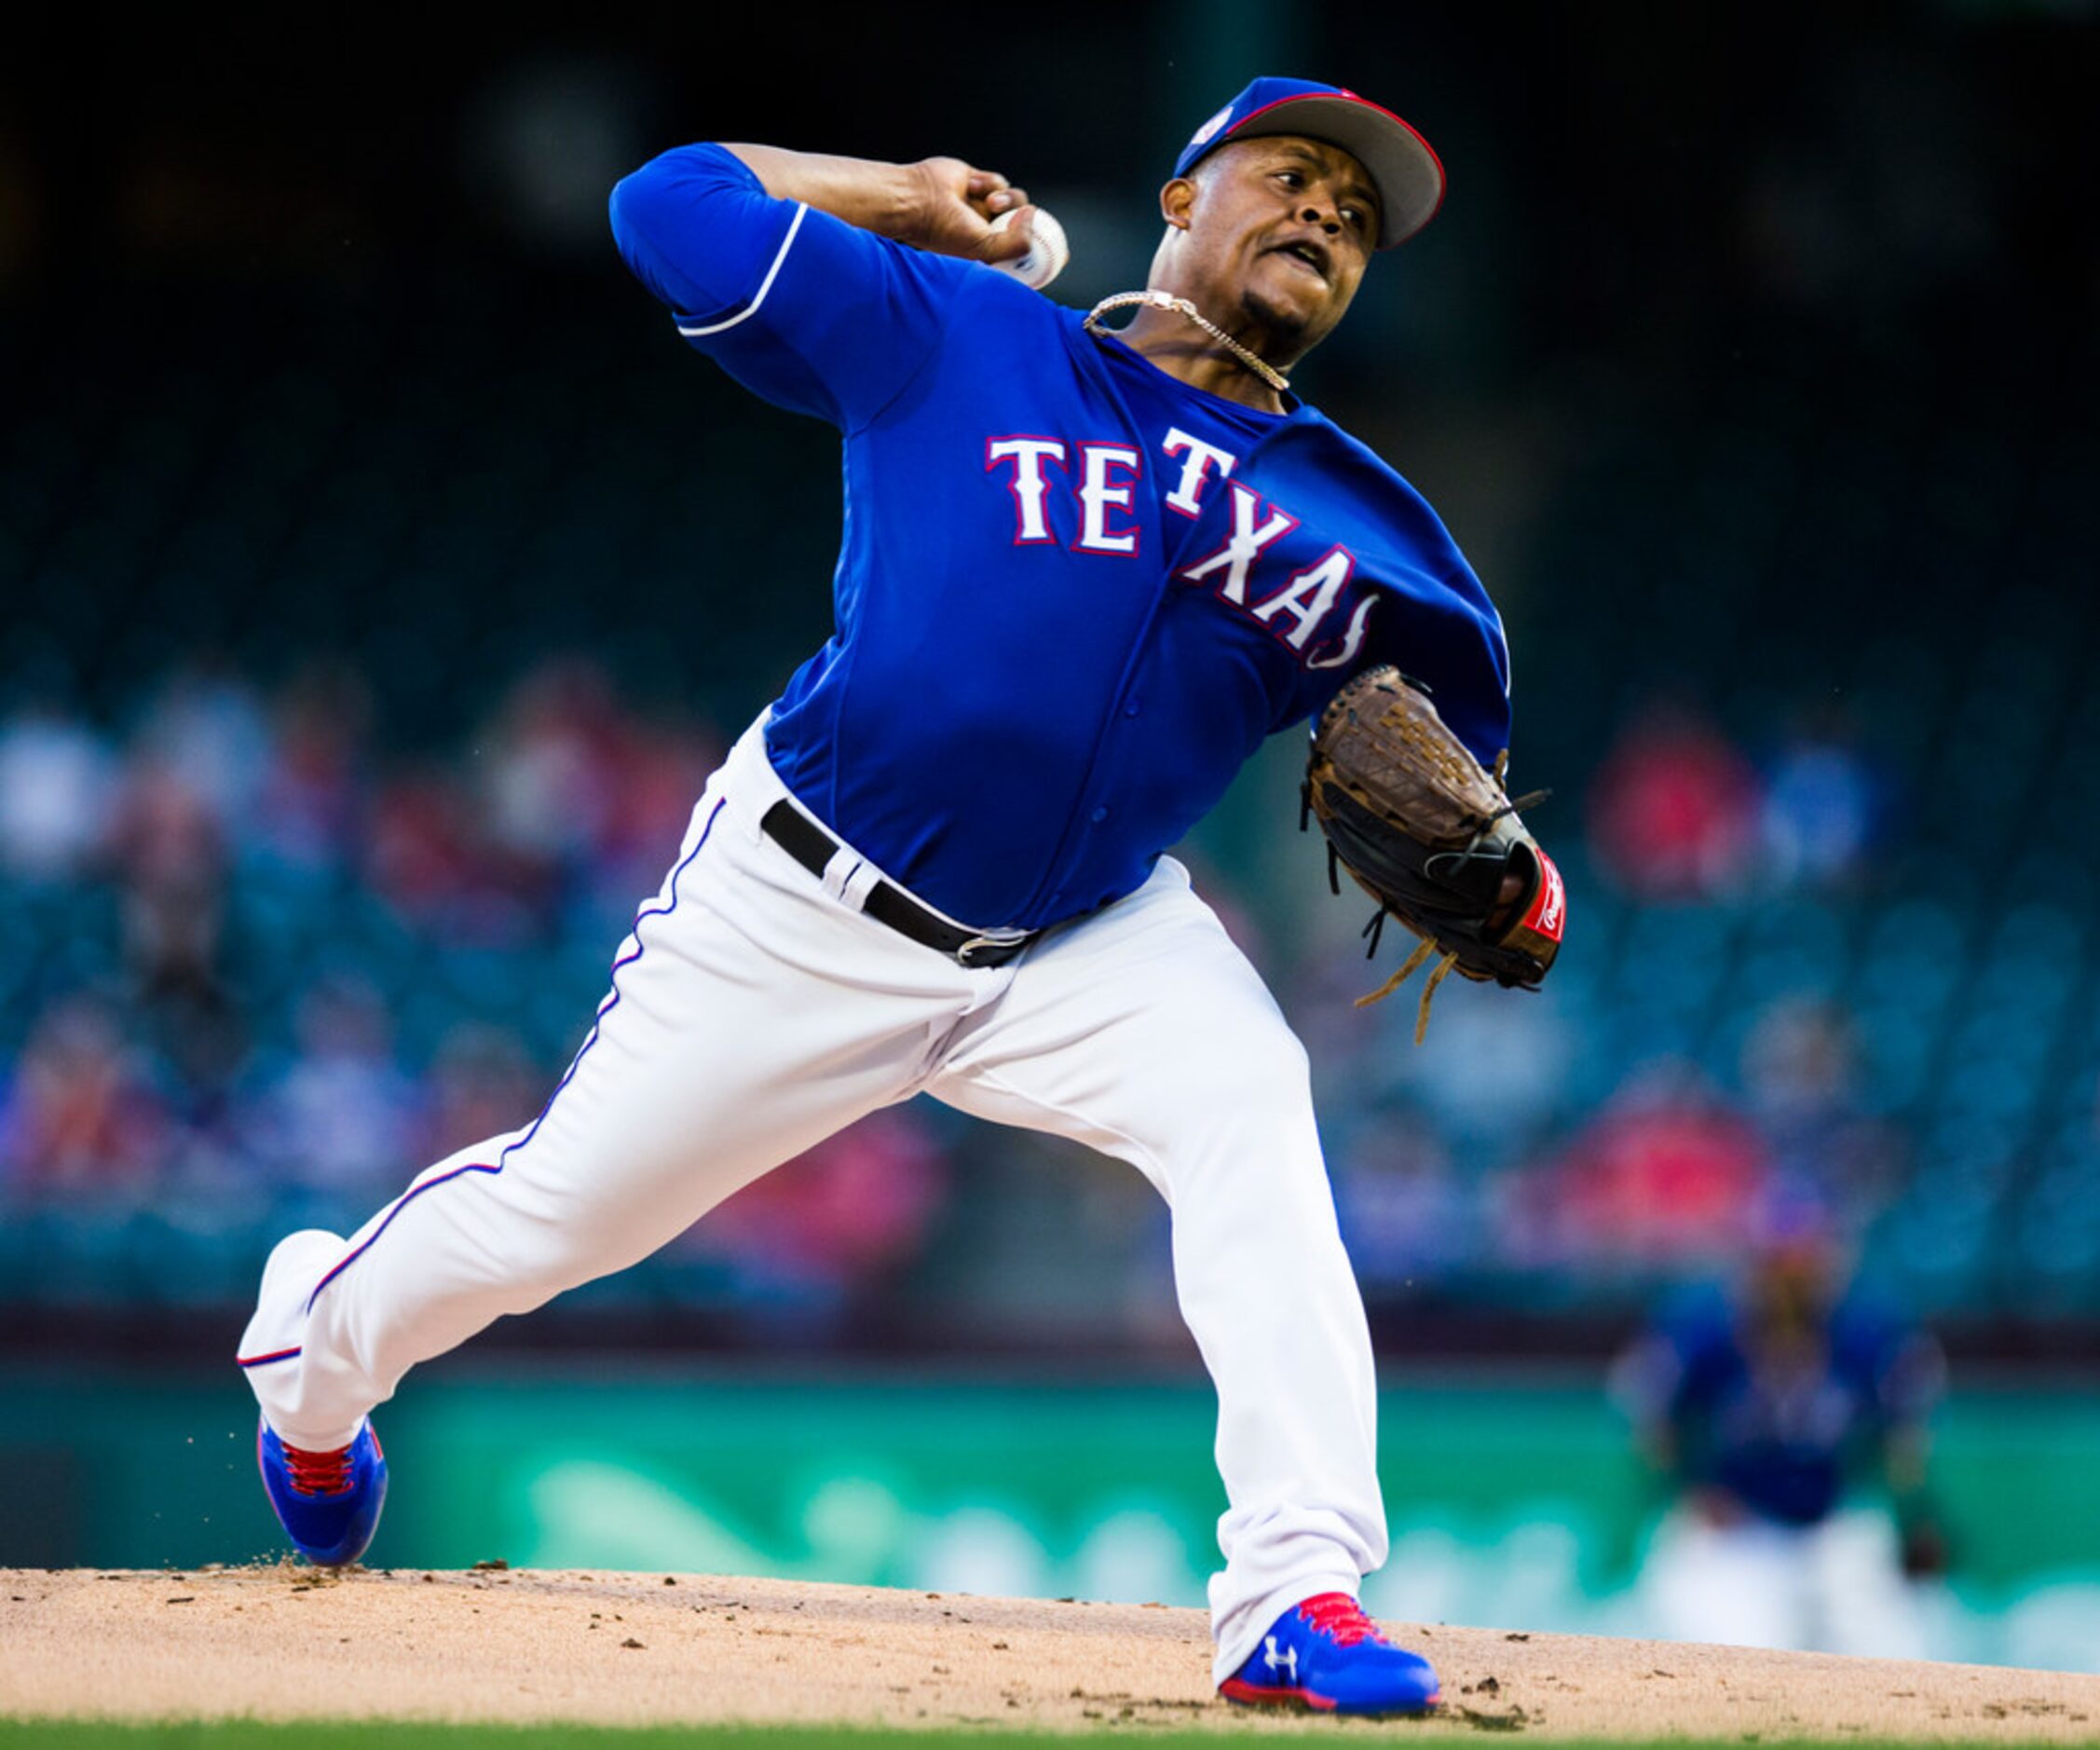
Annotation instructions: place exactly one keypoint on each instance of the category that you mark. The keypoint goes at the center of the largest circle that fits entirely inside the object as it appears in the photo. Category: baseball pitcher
(1084, 573)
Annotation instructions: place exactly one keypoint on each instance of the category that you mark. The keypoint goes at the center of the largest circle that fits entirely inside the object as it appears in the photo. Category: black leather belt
(812, 847)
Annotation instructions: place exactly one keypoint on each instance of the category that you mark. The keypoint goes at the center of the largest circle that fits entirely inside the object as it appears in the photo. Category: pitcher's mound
(284, 1642)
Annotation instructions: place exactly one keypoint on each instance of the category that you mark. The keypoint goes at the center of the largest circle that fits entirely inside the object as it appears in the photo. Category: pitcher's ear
(1177, 201)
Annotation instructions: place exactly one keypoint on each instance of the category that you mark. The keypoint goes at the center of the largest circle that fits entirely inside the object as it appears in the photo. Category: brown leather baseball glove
(1431, 836)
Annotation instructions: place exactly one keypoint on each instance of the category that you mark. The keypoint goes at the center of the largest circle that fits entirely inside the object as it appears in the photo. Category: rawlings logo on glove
(1430, 835)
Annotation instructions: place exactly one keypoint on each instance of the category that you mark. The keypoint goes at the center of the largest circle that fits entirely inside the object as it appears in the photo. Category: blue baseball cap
(1408, 176)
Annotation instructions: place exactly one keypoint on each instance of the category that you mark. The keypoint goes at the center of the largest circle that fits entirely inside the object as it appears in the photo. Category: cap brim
(1408, 175)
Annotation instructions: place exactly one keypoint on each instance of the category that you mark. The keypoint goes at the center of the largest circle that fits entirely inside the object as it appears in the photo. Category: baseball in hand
(1047, 251)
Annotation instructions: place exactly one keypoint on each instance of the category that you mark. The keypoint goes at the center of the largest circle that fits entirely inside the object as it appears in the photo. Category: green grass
(247, 1734)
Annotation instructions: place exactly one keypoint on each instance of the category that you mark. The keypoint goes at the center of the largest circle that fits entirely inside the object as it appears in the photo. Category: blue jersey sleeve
(814, 314)
(1438, 627)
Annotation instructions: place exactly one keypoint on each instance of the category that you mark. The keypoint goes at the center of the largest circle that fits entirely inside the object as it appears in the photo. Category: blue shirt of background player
(1783, 1441)
(1053, 650)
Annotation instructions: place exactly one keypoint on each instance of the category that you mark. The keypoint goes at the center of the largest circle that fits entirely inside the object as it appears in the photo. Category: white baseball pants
(753, 1011)
(1833, 1587)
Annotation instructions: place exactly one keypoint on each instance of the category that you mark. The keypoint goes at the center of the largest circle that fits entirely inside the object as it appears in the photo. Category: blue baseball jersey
(1783, 1441)
(1073, 594)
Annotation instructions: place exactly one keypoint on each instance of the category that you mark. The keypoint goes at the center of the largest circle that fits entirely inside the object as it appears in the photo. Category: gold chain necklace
(1182, 307)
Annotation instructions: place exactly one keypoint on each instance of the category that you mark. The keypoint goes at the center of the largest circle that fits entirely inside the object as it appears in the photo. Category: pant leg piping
(605, 1008)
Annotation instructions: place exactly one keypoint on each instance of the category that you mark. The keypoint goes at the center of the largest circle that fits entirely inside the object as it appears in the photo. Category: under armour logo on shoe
(1285, 1661)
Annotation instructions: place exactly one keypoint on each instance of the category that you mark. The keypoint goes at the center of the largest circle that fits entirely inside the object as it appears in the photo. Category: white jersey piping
(766, 285)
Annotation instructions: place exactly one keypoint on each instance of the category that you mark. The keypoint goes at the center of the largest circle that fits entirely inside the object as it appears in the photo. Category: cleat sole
(1311, 1701)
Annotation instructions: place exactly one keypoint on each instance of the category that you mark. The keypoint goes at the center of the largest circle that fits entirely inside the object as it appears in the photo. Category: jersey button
(1132, 709)
(1100, 815)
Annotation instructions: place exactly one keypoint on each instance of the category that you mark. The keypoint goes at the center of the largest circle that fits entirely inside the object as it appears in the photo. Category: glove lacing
(1423, 949)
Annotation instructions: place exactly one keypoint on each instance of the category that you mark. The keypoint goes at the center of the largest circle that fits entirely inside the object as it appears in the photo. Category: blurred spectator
(341, 1114)
(657, 776)
(1406, 1215)
(170, 863)
(1763, 1404)
(419, 852)
(57, 793)
(1664, 1175)
(311, 797)
(79, 1113)
(1820, 809)
(207, 730)
(1492, 1068)
(549, 770)
(1674, 810)
(171, 856)
(1801, 1076)
(833, 1223)
(482, 1082)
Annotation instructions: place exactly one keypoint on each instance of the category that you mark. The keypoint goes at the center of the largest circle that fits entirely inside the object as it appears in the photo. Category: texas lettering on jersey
(1036, 511)
(1309, 607)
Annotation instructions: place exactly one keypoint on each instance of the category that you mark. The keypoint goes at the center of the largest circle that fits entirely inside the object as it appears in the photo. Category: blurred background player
(1769, 1405)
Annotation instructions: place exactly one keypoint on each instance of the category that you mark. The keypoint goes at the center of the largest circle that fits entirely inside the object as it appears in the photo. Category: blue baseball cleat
(1327, 1655)
(328, 1502)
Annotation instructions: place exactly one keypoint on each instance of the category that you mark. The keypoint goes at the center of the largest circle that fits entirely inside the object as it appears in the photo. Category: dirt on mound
(285, 1642)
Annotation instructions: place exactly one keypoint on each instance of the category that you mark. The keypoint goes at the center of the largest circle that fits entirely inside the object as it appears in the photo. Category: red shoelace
(318, 1472)
(1337, 1614)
